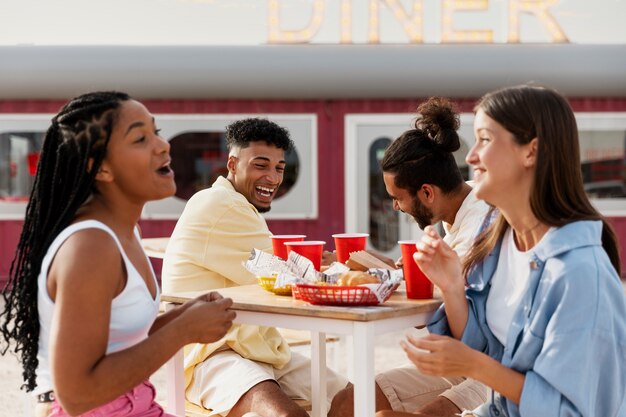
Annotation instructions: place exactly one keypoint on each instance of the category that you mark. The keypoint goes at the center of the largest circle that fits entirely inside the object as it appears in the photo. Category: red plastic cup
(418, 286)
(278, 243)
(346, 243)
(310, 249)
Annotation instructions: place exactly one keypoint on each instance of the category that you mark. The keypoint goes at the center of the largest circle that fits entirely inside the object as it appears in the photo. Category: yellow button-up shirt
(213, 236)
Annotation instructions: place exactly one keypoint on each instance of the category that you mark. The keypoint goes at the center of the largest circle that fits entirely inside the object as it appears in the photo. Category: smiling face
(137, 162)
(407, 203)
(256, 172)
(503, 169)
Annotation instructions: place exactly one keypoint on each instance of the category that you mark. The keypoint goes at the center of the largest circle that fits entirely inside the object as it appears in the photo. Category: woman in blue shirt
(537, 304)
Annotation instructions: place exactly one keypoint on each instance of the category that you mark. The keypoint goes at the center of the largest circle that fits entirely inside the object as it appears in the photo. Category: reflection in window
(19, 155)
(384, 222)
(602, 157)
(198, 158)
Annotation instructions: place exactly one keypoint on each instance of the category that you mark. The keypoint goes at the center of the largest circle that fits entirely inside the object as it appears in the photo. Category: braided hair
(74, 147)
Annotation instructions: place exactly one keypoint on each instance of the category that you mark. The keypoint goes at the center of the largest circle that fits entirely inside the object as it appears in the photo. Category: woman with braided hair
(82, 299)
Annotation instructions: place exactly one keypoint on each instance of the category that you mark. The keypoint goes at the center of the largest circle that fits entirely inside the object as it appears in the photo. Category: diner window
(384, 227)
(19, 155)
(459, 158)
(198, 158)
(602, 157)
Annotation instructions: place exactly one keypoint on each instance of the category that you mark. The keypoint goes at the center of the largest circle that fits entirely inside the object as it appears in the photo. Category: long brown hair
(557, 196)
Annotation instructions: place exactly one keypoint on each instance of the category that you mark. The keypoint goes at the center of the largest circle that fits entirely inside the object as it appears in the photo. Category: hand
(328, 257)
(207, 318)
(441, 355)
(439, 262)
(399, 263)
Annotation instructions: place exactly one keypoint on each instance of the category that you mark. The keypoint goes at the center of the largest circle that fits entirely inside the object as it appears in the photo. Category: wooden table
(254, 305)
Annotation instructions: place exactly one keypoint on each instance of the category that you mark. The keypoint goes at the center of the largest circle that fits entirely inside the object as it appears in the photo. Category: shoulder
(216, 197)
(89, 258)
(89, 245)
(578, 278)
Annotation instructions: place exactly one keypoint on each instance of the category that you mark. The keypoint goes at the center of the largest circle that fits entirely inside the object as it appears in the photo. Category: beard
(422, 214)
(263, 209)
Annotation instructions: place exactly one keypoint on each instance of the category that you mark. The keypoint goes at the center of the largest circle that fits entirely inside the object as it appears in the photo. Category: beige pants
(43, 409)
(407, 389)
(221, 380)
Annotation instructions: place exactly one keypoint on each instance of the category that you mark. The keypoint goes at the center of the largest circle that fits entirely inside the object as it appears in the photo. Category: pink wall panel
(330, 115)
(9, 237)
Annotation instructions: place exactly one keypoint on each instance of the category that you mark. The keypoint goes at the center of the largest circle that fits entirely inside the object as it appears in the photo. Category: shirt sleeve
(474, 333)
(232, 238)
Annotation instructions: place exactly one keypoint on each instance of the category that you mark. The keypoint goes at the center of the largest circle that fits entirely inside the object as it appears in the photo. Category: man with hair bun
(424, 181)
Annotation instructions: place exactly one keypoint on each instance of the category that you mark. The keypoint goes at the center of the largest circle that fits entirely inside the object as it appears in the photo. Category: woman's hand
(439, 262)
(441, 356)
(207, 318)
(444, 356)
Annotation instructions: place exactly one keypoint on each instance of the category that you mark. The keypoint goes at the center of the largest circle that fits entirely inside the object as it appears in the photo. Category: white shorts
(407, 389)
(221, 380)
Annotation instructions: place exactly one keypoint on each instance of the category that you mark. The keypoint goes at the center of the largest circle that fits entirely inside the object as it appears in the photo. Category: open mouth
(265, 192)
(165, 170)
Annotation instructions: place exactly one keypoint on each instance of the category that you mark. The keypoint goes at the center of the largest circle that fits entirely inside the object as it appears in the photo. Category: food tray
(267, 283)
(336, 295)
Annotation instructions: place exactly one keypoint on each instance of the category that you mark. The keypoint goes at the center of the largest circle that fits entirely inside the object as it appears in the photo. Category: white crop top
(133, 311)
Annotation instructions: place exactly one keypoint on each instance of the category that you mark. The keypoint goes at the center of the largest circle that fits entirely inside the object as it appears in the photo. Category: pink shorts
(138, 402)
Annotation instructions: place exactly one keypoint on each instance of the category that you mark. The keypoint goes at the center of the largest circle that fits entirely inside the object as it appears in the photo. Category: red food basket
(336, 295)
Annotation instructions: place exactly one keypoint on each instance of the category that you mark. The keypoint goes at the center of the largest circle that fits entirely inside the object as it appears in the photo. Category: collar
(223, 182)
(562, 239)
(469, 200)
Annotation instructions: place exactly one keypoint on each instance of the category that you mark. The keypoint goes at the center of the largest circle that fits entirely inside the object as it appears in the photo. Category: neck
(454, 202)
(527, 230)
(120, 215)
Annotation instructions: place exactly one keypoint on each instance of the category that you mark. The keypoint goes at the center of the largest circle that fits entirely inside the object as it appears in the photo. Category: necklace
(525, 232)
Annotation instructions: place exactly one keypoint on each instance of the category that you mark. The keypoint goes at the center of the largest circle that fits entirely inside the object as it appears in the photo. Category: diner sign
(412, 20)
(308, 22)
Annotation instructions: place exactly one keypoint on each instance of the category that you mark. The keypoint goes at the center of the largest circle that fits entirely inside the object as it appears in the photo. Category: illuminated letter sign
(451, 35)
(277, 35)
(540, 9)
(412, 23)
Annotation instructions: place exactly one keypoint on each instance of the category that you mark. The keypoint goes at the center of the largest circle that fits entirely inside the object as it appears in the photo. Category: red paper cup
(346, 243)
(278, 243)
(418, 286)
(310, 249)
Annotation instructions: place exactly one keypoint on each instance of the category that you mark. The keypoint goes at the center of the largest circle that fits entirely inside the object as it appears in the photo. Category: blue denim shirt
(568, 335)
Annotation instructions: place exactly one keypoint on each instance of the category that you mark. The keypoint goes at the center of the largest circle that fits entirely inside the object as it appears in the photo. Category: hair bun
(439, 119)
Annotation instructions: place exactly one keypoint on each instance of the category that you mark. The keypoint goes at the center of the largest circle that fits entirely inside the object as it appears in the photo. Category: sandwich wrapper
(299, 270)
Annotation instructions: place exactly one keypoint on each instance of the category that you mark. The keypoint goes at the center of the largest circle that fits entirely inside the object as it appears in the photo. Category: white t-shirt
(508, 286)
(460, 234)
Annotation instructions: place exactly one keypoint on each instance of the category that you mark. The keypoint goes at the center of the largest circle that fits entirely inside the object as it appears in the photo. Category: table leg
(363, 368)
(174, 371)
(318, 374)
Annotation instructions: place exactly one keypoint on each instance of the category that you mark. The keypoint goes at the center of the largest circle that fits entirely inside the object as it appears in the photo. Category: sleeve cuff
(538, 397)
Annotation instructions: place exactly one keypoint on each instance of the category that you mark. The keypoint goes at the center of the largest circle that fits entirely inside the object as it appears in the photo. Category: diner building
(344, 94)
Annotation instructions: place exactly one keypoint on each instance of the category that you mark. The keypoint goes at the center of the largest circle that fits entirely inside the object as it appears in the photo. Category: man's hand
(328, 257)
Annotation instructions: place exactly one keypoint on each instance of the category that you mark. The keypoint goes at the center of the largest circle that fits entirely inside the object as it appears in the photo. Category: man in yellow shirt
(251, 369)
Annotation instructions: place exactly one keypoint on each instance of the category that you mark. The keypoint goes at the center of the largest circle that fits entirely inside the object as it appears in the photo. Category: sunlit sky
(245, 22)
